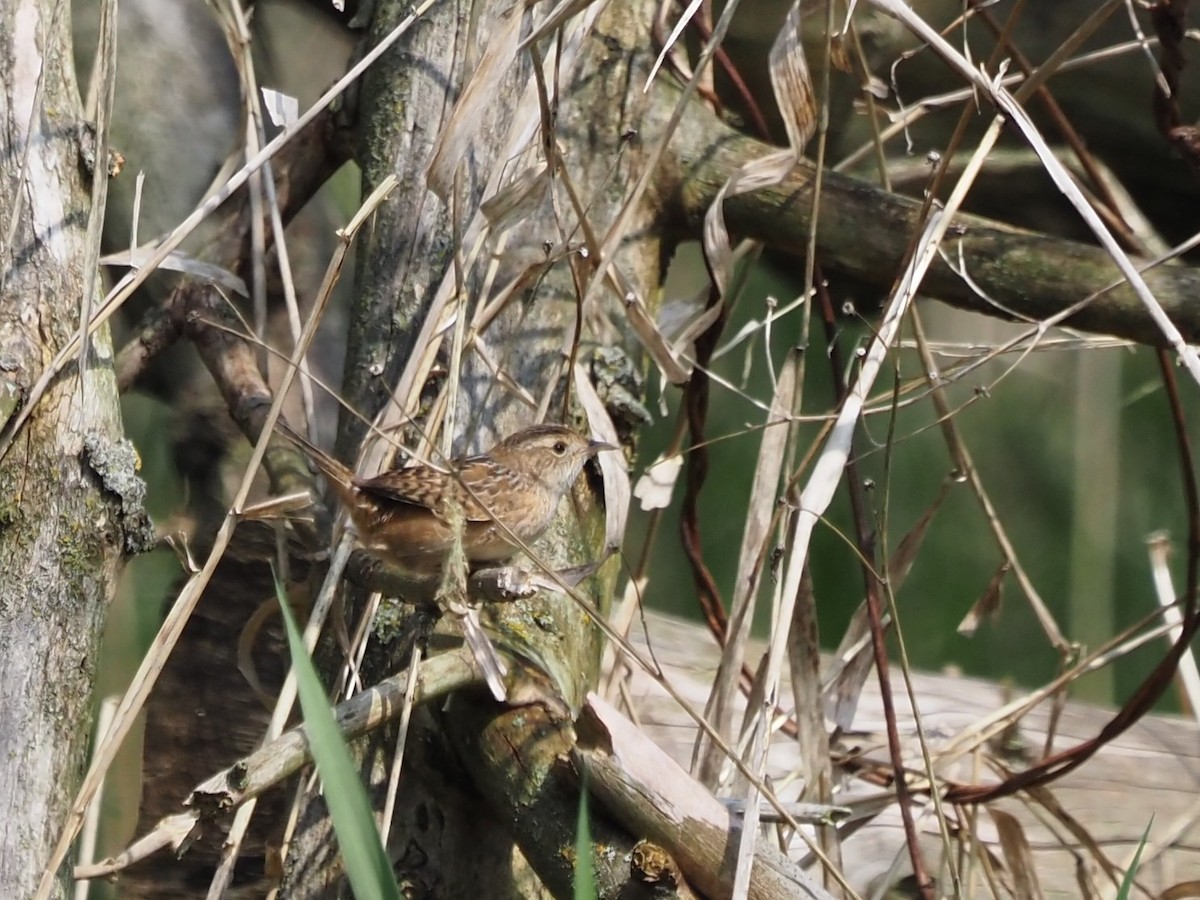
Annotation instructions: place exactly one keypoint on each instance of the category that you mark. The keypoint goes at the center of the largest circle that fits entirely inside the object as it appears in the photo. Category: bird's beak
(595, 447)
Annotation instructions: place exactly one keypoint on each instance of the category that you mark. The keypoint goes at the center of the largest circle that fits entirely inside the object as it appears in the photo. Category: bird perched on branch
(412, 517)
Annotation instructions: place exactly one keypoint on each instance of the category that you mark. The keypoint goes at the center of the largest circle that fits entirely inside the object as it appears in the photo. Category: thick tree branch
(865, 232)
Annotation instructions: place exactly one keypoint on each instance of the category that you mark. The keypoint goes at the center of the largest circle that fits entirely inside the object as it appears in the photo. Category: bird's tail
(339, 474)
(486, 658)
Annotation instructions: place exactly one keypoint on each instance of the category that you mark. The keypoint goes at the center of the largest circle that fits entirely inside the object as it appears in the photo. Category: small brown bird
(403, 516)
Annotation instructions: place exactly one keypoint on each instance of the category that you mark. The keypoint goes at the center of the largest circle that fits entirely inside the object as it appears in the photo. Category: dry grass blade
(1189, 678)
(479, 307)
(676, 32)
(901, 560)
(812, 735)
(847, 671)
(521, 136)
(764, 494)
(556, 17)
(178, 261)
(239, 784)
(87, 837)
(831, 465)
(517, 200)
(606, 272)
(1153, 767)
(660, 350)
(1046, 799)
(1185, 890)
(103, 90)
(965, 468)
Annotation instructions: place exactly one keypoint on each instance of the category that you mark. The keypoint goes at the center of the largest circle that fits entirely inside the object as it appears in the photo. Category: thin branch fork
(271, 765)
(301, 168)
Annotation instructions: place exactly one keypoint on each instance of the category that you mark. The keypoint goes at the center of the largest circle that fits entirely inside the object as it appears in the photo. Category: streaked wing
(412, 486)
(487, 487)
(418, 486)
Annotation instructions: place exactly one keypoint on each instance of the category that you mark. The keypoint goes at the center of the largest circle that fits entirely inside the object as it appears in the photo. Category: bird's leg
(419, 626)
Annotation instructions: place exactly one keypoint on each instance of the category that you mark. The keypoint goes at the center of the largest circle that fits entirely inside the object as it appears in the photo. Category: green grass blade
(1127, 882)
(585, 878)
(367, 866)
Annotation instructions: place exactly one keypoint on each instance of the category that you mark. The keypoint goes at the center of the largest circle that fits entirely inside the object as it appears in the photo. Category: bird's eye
(560, 447)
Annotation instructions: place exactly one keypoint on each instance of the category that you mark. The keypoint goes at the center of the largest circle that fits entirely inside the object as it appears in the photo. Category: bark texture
(487, 785)
(70, 499)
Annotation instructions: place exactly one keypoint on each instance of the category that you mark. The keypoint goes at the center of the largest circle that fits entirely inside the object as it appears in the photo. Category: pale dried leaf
(987, 606)
(470, 111)
(664, 356)
(178, 261)
(612, 463)
(283, 109)
(900, 563)
(759, 173)
(517, 200)
(657, 483)
(792, 82)
(1017, 854)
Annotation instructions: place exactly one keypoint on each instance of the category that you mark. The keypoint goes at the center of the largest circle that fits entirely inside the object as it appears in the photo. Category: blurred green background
(1075, 448)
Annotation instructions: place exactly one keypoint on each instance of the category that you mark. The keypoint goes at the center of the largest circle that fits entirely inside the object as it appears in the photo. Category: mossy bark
(70, 500)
